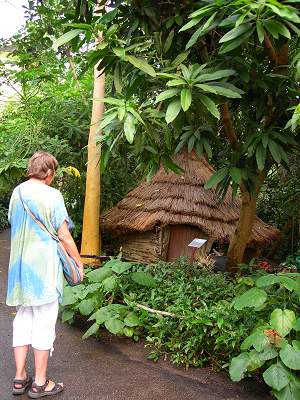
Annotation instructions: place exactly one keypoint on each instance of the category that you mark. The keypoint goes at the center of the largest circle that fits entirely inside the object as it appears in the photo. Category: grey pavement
(112, 368)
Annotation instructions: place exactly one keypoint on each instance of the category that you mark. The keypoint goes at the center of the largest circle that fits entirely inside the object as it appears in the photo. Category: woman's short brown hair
(41, 165)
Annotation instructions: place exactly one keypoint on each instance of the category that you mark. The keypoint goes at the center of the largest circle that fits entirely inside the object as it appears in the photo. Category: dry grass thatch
(181, 199)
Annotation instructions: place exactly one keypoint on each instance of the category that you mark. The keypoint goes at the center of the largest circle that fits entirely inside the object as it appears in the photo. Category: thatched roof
(181, 199)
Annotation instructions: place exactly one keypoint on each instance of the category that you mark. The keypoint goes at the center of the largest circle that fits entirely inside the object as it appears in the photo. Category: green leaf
(186, 99)
(91, 331)
(297, 325)
(127, 331)
(129, 127)
(202, 11)
(254, 297)
(107, 17)
(191, 23)
(65, 38)
(180, 58)
(267, 280)
(285, 12)
(276, 376)
(238, 367)
(289, 392)
(200, 31)
(109, 117)
(141, 64)
(236, 175)
(216, 178)
(275, 150)
(260, 31)
(67, 315)
(121, 266)
(233, 44)
(86, 307)
(290, 356)
(167, 94)
(68, 296)
(109, 283)
(99, 274)
(255, 361)
(210, 105)
(114, 325)
(223, 73)
(118, 78)
(277, 28)
(220, 90)
(268, 353)
(260, 154)
(173, 110)
(132, 319)
(289, 283)
(169, 41)
(143, 279)
(257, 339)
(235, 32)
(283, 321)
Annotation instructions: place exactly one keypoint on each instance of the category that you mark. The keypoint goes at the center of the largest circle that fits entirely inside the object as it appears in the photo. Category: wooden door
(180, 237)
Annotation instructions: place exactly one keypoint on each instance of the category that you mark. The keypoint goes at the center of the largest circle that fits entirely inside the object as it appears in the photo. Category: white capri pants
(35, 325)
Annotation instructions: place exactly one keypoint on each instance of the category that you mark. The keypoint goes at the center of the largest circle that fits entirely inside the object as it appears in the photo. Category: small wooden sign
(197, 243)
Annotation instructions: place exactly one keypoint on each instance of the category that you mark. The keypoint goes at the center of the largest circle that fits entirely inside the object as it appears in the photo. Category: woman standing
(35, 277)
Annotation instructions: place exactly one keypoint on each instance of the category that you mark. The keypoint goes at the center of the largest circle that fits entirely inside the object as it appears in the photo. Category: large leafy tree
(215, 75)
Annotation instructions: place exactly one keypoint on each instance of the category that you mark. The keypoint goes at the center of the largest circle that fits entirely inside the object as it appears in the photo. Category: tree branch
(228, 127)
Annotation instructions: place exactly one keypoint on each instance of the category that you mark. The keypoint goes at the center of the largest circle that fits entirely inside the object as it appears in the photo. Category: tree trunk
(91, 241)
(242, 232)
(276, 246)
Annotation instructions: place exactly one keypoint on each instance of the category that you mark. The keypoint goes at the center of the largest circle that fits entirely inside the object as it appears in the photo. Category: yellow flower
(74, 171)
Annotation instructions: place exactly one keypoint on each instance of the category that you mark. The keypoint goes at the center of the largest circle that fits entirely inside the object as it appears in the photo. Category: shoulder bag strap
(39, 223)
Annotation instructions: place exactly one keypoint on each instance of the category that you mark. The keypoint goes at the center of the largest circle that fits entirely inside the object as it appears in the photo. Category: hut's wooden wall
(143, 247)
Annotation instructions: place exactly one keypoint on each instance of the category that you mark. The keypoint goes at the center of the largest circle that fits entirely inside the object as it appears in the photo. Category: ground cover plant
(191, 319)
(273, 347)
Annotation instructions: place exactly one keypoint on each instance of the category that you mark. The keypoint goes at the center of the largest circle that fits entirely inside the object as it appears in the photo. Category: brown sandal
(39, 391)
(24, 385)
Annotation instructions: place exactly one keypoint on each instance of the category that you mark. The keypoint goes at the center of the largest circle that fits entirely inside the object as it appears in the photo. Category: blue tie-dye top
(35, 272)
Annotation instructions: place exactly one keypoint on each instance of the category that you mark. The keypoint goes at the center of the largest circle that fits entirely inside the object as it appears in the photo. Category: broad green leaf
(254, 297)
(132, 319)
(260, 155)
(285, 12)
(191, 23)
(173, 110)
(109, 283)
(67, 315)
(220, 90)
(169, 40)
(267, 280)
(141, 64)
(99, 274)
(289, 283)
(238, 367)
(216, 178)
(186, 99)
(260, 31)
(86, 307)
(65, 38)
(114, 325)
(91, 331)
(167, 94)
(129, 127)
(68, 296)
(236, 175)
(121, 266)
(128, 331)
(282, 321)
(233, 44)
(235, 32)
(255, 361)
(268, 353)
(297, 325)
(277, 376)
(107, 119)
(275, 150)
(176, 82)
(290, 356)
(276, 28)
(223, 73)
(180, 58)
(143, 279)
(118, 78)
(210, 105)
(289, 392)
(120, 52)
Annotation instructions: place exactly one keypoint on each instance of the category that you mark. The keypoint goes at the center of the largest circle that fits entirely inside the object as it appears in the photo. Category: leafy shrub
(3, 217)
(274, 344)
(201, 326)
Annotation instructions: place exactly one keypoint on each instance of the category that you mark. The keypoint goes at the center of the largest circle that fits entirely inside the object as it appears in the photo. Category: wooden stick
(151, 310)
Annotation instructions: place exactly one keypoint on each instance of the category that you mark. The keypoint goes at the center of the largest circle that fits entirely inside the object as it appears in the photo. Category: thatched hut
(157, 220)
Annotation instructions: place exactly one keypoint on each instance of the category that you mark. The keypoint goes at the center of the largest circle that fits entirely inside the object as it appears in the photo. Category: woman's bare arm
(67, 241)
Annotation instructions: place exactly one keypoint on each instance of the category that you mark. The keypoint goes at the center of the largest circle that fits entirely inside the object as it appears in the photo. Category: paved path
(113, 368)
